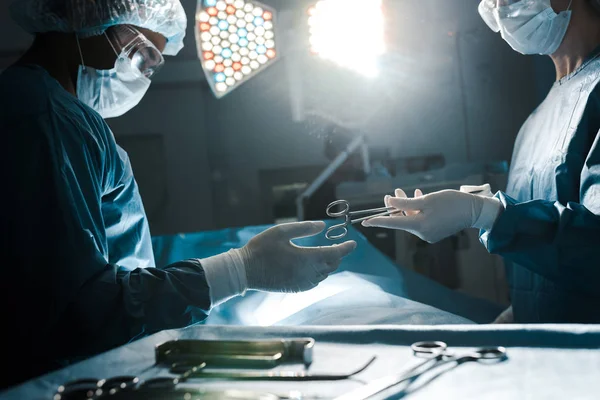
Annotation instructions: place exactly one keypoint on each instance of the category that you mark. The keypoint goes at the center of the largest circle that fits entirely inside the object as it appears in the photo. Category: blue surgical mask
(528, 26)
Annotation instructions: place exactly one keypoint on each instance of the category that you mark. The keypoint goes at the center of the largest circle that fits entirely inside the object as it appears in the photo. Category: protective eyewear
(136, 49)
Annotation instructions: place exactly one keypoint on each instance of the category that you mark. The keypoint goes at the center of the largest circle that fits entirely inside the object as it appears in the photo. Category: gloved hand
(436, 216)
(274, 264)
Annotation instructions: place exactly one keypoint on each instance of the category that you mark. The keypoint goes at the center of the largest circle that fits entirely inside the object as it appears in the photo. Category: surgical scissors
(347, 215)
(437, 354)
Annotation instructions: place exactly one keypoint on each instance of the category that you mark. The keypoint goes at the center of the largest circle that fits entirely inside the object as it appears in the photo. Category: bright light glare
(349, 33)
(277, 307)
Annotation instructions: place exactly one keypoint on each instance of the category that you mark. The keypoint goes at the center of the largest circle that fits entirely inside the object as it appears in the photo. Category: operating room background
(450, 86)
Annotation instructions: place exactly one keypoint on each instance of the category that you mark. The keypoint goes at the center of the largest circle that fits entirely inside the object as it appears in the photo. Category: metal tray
(183, 394)
(236, 354)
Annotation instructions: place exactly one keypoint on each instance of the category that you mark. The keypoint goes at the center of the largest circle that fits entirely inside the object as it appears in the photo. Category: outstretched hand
(275, 264)
(438, 215)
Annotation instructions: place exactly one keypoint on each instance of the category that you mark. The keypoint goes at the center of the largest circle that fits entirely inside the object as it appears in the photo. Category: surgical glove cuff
(491, 209)
(226, 276)
(251, 266)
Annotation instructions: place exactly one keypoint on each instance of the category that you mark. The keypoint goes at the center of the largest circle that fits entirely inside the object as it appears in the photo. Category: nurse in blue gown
(546, 224)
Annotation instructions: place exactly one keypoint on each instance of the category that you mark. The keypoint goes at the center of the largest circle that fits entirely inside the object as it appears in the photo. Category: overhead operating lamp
(236, 40)
(349, 33)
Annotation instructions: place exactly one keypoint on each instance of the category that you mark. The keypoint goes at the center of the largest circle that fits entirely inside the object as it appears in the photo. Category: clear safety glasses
(135, 48)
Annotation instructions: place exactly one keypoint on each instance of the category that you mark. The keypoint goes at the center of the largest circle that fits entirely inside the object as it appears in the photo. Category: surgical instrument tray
(237, 354)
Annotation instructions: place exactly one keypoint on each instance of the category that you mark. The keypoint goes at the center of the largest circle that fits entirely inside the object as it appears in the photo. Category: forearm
(560, 243)
(118, 305)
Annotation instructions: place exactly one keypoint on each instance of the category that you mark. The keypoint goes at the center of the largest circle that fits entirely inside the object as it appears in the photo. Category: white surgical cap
(93, 17)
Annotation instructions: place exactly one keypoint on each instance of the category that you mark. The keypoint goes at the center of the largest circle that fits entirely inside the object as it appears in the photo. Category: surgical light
(349, 33)
(227, 33)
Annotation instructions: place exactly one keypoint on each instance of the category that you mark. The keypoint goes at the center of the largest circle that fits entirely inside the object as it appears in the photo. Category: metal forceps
(342, 229)
(437, 354)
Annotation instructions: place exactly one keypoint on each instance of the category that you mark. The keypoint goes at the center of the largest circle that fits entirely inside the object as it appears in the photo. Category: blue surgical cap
(92, 17)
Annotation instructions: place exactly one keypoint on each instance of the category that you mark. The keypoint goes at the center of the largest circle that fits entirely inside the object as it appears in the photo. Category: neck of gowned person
(54, 52)
(582, 38)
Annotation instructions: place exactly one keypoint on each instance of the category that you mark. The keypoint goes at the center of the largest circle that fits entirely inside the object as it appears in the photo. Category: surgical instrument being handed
(345, 212)
(438, 355)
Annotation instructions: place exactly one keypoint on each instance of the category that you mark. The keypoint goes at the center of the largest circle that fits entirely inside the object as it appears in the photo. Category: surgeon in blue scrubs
(547, 223)
(78, 274)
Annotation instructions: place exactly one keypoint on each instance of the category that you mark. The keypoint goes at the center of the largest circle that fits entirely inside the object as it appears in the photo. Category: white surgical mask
(115, 91)
(528, 26)
(111, 92)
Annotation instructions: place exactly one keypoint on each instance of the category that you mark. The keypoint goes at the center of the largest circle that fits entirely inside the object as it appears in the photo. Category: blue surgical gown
(550, 229)
(77, 265)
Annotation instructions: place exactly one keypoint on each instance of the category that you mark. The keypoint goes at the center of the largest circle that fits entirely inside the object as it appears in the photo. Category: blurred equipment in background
(236, 40)
(353, 159)
(339, 157)
(303, 193)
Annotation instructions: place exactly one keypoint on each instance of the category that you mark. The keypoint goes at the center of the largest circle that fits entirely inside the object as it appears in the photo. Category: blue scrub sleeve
(559, 242)
(119, 305)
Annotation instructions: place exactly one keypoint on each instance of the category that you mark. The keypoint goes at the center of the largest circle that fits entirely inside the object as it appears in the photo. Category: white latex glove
(274, 264)
(271, 262)
(436, 216)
